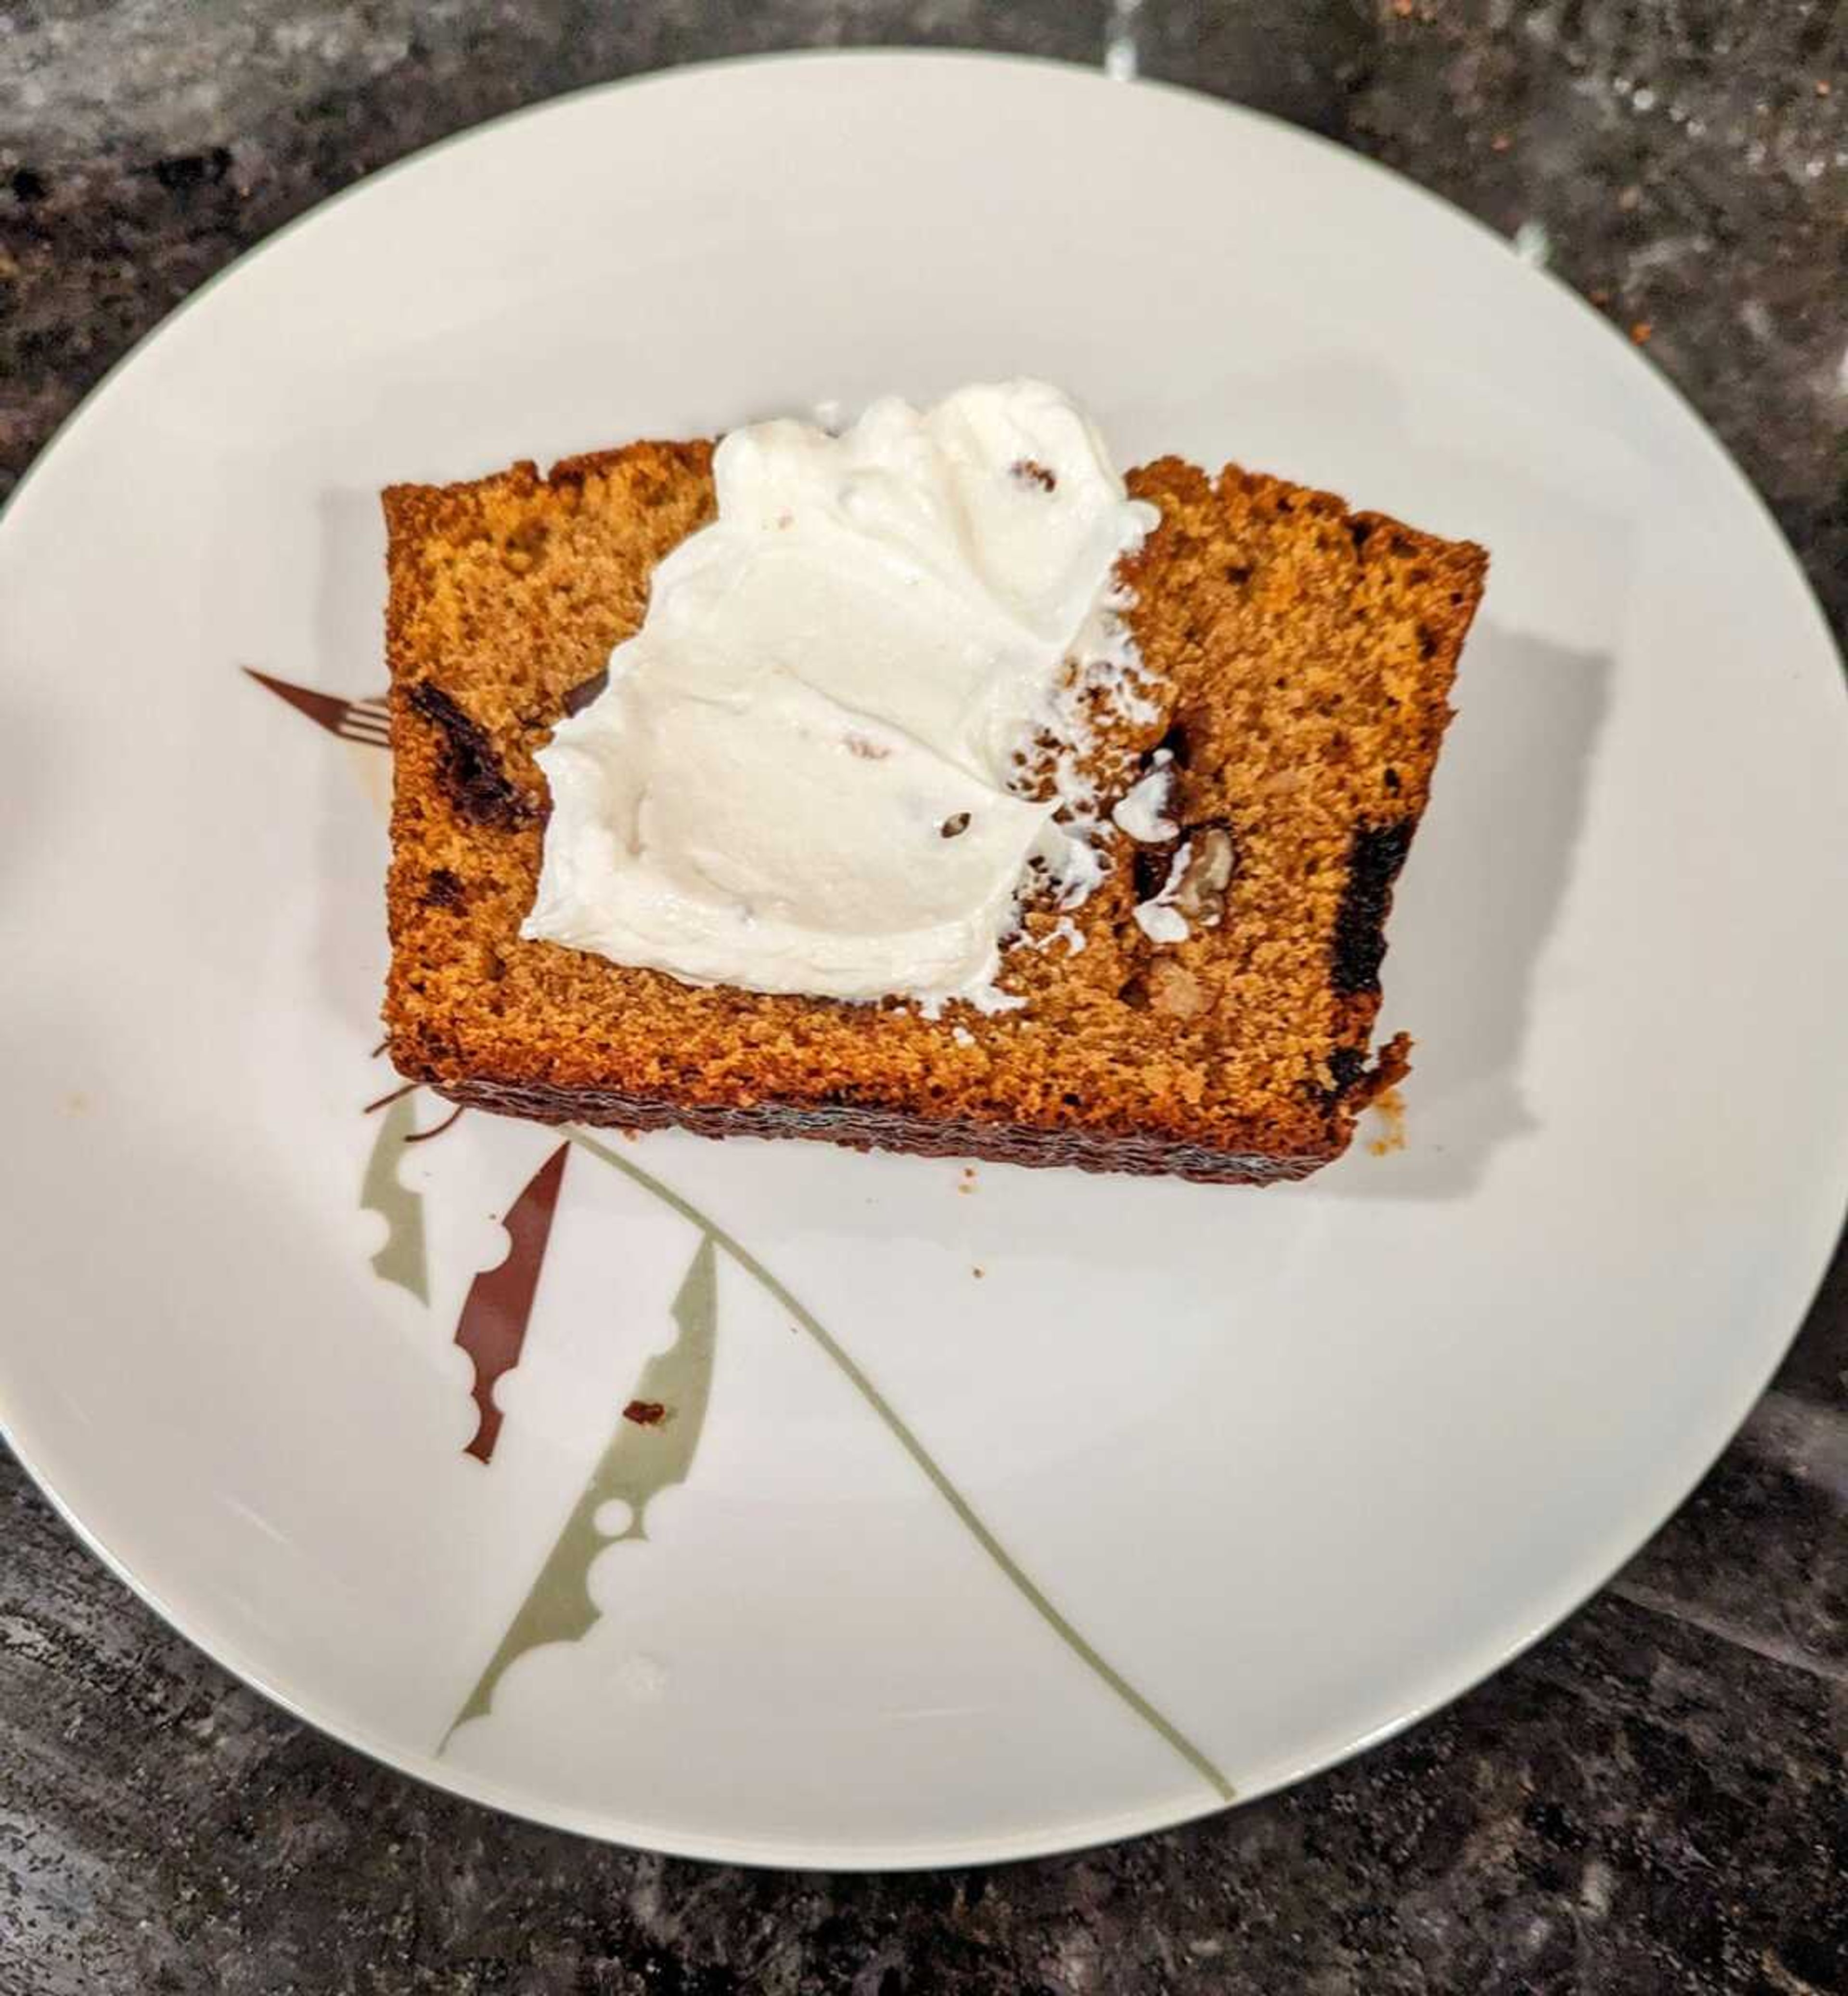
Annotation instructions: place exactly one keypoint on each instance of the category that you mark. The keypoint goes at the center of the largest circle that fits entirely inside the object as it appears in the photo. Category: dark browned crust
(889, 1130)
(864, 1128)
(1375, 859)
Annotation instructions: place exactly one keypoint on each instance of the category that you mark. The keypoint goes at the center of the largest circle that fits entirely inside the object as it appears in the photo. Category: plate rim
(1617, 1547)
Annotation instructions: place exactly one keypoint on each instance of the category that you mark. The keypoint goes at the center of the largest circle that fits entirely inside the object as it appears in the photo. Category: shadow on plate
(1486, 881)
(348, 659)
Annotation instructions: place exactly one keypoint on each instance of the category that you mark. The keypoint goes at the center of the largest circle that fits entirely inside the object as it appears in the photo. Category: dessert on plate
(929, 786)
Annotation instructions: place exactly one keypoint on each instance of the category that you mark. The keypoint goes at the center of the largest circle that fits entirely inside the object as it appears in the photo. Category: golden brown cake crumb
(1301, 655)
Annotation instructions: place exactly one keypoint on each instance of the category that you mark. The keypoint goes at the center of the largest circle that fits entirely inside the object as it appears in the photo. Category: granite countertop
(1654, 1798)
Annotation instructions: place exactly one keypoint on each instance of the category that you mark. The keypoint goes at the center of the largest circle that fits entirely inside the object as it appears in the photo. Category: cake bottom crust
(864, 1128)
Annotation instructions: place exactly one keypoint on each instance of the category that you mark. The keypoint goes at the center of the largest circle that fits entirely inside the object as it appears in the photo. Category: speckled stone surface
(1653, 1800)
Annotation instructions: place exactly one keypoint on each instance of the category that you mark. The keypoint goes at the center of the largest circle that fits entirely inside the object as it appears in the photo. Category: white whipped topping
(799, 777)
(1065, 931)
(1158, 918)
(1142, 812)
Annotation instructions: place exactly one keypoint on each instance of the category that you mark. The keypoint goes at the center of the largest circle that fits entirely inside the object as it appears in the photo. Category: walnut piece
(1201, 895)
(1174, 988)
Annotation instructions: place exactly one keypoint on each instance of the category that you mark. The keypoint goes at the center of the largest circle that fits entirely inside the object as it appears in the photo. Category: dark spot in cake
(1360, 532)
(1177, 742)
(444, 889)
(524, 547)
(478, 787)
(1428, 642)
(1375, 856)
(1238, 573)
(1029, 471)
(953, 827)
(1151, 865)
(29, 186)
(587, 690)
(1346, 1065)
(184, 171)
(1391, 781)
(645, 1413)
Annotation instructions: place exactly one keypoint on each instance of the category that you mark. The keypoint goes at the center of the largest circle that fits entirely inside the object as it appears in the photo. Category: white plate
(988, 1522)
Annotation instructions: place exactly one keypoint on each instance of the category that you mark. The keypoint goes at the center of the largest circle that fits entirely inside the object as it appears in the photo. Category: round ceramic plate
(991, 1513)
